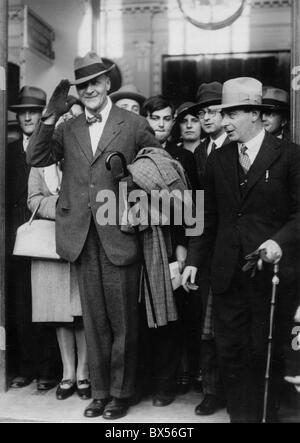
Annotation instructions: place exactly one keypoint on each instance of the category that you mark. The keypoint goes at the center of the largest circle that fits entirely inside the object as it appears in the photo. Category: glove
(58, 104)
(254, 262)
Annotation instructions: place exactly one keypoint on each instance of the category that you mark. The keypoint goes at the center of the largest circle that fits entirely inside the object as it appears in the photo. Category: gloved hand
(58, 104)
(254, 262)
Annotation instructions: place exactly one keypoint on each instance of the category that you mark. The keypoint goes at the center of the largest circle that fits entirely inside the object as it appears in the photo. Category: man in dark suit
(107, 260)
(32, 353)
(252, 202)
(208, 95)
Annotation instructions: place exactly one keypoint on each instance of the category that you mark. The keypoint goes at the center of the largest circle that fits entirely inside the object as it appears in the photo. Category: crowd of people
(104, 320)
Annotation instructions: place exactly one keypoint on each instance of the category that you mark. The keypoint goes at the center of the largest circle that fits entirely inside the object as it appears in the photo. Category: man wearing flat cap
(276, 113)
(129, 98)
(34, 346)
(107, 260)
(252, 207)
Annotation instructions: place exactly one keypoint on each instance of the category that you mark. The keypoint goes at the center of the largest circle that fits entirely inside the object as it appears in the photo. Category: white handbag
(36, 239)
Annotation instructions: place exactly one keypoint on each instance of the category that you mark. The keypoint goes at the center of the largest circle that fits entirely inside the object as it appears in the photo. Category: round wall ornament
(211, 14)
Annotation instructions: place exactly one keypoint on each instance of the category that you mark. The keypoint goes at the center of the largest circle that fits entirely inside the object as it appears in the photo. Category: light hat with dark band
(30, 97)
(242, 92)
(89, 67)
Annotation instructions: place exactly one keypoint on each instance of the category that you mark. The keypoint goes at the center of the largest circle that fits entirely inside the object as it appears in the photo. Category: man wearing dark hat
(276, 114)
(34, 345)
(209, 94)
(129, 98)
(252, 203)
(107, 260)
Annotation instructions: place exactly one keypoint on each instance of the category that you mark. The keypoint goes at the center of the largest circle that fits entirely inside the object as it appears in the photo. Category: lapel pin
(267, 176)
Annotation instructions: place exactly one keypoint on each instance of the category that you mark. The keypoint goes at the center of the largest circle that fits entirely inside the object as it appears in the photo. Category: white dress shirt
(218, 142)
(97, 128)
(253, 146)
(25, 142)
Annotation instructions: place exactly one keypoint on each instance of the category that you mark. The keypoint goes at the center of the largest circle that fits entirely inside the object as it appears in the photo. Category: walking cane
(138, 235)
(275, 283)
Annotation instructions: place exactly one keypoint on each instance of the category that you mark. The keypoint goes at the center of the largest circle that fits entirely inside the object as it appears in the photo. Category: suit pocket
(62, 205)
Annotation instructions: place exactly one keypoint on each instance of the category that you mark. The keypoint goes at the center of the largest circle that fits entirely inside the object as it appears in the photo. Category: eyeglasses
(209, 112)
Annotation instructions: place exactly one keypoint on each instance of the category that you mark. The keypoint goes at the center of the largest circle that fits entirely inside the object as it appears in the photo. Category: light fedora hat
(88, 67)
(128, 91)
(275, 98)
(241, 92)
(30, 97)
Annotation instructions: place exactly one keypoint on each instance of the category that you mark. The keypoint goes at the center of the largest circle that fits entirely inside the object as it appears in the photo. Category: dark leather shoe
(46, 385)
(21, 382)
(162, 400)
(84, 392)
(209, 405)
(116, 408)
(64, 393)
(95, 409)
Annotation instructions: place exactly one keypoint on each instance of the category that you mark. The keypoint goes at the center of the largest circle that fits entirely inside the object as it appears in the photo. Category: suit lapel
(81, 131)
(268, 153)
(111, 130)
(229, 161)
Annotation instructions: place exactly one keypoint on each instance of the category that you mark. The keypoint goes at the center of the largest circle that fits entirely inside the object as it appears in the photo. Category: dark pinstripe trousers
(109, 297)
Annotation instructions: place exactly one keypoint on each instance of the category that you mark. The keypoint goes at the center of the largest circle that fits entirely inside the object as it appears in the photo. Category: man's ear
(256, 115)
(284, 122)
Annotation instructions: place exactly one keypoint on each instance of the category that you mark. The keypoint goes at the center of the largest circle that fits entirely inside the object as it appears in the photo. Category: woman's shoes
(84, 389)
(63, 393)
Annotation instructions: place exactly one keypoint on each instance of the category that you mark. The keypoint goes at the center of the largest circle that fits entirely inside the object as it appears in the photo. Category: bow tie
(94, 119)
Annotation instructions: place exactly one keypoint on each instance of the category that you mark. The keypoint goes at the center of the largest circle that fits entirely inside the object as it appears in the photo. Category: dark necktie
(244, 159)
(94, 119)
(213, 147)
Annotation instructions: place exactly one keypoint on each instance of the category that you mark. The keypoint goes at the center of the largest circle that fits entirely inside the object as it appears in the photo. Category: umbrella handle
(121, 157)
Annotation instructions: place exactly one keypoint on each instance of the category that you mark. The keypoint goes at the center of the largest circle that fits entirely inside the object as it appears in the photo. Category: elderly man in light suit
(252, 203)
(107, 259)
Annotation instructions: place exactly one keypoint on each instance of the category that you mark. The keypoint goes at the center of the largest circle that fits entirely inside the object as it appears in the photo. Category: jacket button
(92, 186)
(240, 214)
(89, 205)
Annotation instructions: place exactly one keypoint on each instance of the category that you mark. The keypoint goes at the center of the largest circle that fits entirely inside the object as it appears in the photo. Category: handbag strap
(34, 213)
